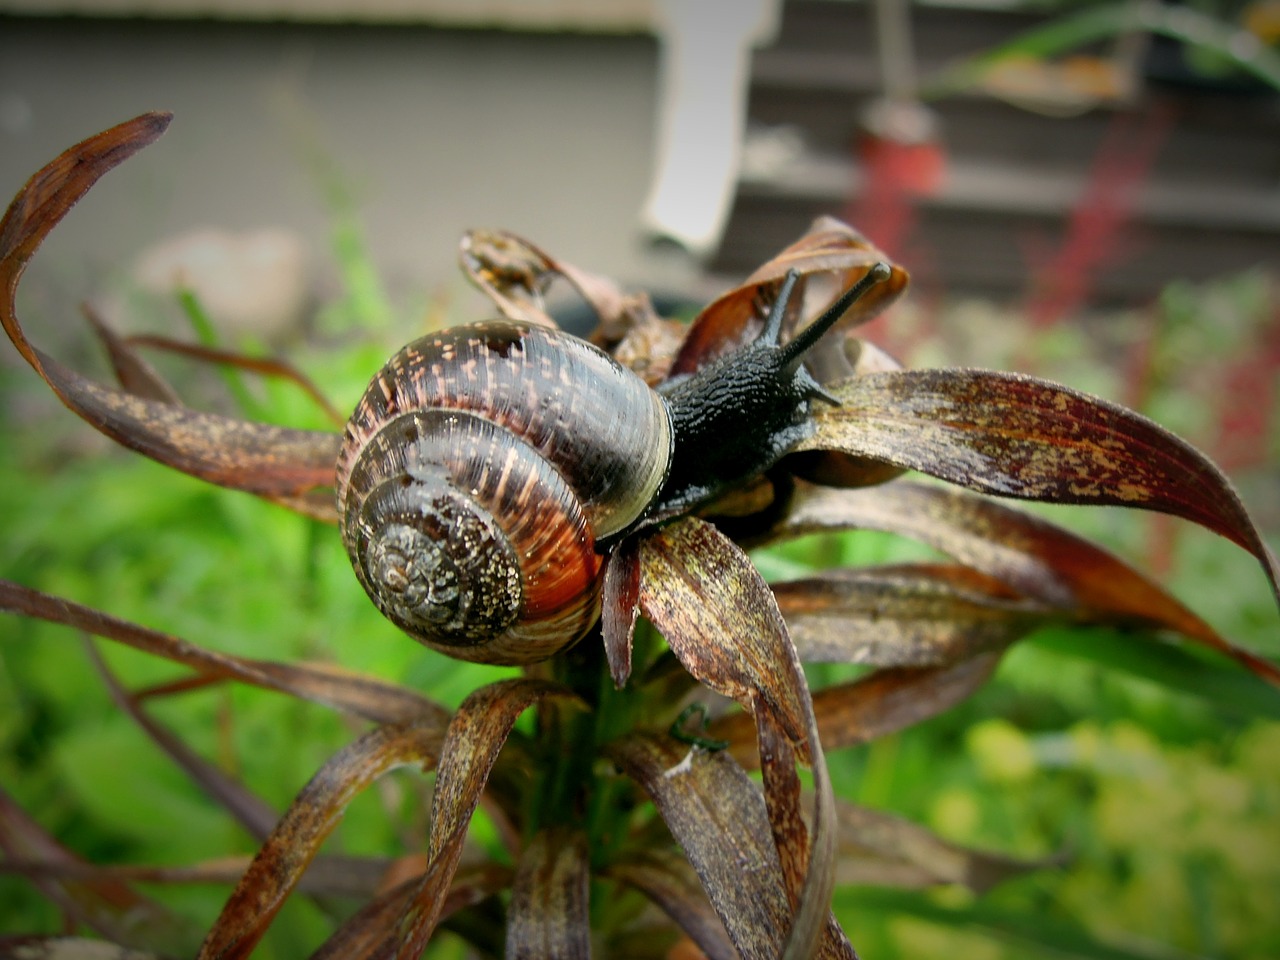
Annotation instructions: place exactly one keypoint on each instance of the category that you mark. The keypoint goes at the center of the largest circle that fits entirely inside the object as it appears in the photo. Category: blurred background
(1085, 191)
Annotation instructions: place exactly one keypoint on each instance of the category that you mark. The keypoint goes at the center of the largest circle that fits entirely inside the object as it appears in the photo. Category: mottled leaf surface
(548, 915)
(516, 274)
(275, 462)
(915, 615)
(1018, 436)
(475, 736)
(717, 814)
(720, 619)
(884, 702)
(1037, 558)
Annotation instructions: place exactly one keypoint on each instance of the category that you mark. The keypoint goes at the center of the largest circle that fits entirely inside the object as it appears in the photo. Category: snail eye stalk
(741, 413)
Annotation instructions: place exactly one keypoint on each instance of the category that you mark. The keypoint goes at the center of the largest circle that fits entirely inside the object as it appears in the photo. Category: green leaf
(1233, 691)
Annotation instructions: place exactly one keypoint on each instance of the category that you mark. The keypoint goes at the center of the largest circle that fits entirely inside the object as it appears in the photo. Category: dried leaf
(515, 274)
(132, 371)
(104, 904)
(283, 858)
(720, 619)
(361, 696)
(620, 606)
(548, 915)
(1017, 436)
(264, 366)
(251, 811)
(717, 815)
(475, 736)
(1033, 556)
(828, 247)
(669, 880)
(275, 462)
(362, 934)
(918, 615)
(895, 698)
(881, 849)
(68, 948)
(876, 705)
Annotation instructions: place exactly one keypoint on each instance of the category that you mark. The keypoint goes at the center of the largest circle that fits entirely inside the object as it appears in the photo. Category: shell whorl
(476, 474)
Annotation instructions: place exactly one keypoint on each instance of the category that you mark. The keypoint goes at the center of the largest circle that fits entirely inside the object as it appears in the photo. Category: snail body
(487, 469)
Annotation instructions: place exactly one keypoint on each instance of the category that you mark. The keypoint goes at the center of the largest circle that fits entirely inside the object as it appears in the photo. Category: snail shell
(477, 473)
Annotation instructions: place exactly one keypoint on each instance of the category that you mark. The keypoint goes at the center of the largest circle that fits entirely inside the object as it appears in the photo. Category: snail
(488, 469)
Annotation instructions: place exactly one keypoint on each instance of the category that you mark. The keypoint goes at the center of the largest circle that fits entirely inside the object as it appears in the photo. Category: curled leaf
(475, 736)
(274, 462)
(829, 247)
(295, 841)
(515, 274)
(1018, 436)
(1036, 558)
(352, 693)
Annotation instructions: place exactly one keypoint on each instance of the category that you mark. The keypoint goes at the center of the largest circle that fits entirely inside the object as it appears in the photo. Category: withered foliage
(731, 864)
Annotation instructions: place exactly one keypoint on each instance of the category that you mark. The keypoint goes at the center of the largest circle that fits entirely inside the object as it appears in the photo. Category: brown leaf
(251, 811)
(264, 366)
(720, 619)
(133, 372)
(68, 948)
(548, 915)
(104, 904)
(364, 932)
(717, 815)
(880, 849)
(1033, 556)
(275, 462)
(475, 736)
(352, 693)
(669, 880)
(903, 616)
(876, 705)
(828, 247)
(1017, 436)
(515, 274)
(312, 816)
(620, 606)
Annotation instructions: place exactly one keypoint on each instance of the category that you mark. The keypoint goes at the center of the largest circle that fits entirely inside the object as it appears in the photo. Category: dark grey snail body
(485, 465)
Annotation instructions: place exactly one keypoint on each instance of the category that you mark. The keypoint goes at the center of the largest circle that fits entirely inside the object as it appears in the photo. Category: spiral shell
(477, 473)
